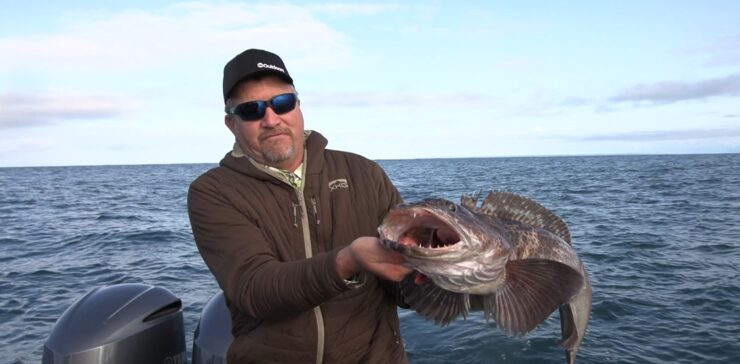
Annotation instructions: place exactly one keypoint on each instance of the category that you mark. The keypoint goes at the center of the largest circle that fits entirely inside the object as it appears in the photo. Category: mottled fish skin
(510, 257)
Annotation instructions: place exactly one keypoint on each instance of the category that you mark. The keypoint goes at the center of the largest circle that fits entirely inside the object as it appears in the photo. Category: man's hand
(367, 254)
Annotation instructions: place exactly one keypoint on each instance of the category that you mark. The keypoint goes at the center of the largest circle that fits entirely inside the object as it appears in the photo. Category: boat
(136, 323)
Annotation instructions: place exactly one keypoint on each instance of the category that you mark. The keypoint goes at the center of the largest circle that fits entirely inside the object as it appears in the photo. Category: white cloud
(672, 91)
(723, 52)
(23, 144)
(339, 9)
(176, 36)
(400, 99)
(163, 43)
(26, 109)
(663, 135)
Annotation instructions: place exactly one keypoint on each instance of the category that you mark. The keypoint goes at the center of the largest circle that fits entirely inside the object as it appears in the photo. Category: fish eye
(452, 207)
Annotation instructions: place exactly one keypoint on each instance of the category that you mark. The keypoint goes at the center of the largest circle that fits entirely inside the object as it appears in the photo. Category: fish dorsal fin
(432, 302)
(470, 201)
(519, 208)
(534, 289)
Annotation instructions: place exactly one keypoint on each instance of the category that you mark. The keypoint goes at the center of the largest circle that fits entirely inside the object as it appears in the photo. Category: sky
(139, 82)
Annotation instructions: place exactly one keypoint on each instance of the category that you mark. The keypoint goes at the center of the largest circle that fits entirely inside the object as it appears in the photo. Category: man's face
(275, 140)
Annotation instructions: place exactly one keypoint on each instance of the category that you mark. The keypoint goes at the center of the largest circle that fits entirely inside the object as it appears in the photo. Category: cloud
(182, 34)
(399, 99)
(576, 102)
(26, 109)
(723, 52)
(673, 91)
(337, 9)
(23, 144)
(661, 135)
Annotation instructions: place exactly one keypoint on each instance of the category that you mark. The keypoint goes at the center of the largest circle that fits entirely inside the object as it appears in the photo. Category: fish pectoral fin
(432, 302)
(534, 288)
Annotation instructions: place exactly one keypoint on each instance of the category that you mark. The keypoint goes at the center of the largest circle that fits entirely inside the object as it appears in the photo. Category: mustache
(275, 132)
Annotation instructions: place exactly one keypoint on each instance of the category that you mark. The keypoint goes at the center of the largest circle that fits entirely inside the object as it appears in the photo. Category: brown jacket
(272, 249)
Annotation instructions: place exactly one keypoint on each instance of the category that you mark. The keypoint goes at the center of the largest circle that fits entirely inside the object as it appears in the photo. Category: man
(288, 228)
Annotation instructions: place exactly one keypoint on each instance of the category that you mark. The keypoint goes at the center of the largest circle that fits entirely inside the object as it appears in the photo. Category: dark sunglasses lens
(283, 103)
(252, 110)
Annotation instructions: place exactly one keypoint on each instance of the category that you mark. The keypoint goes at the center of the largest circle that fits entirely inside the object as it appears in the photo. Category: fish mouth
(419, 229)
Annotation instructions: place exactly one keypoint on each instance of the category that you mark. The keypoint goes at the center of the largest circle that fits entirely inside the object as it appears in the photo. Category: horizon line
(392, 159)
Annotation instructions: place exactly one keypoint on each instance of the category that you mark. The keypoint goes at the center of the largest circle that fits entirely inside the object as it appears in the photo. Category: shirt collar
(293, 178)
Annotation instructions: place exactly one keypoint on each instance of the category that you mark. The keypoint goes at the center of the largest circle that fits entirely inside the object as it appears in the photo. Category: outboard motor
(213, 334)
(123, 323)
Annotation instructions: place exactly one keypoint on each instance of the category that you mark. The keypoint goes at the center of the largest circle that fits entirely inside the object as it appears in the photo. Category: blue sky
(139, 82)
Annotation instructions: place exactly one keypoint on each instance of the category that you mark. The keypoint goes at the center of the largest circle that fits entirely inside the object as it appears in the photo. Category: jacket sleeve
(245, 266)
(388, 193)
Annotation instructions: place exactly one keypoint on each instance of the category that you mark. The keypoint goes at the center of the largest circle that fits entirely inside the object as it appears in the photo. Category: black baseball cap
(253, 63)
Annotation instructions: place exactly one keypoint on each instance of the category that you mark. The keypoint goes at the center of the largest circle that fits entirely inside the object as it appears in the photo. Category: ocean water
(659, 235)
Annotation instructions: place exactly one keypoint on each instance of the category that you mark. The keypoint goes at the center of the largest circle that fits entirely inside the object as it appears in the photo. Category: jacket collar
(313, 159)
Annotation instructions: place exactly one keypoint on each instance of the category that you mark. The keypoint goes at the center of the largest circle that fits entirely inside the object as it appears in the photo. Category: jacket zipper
(321, 335)
(309, 254)
(315, 211)
(295, 214)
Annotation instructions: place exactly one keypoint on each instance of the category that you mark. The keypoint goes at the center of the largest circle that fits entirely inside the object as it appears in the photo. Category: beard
(276, 154)
(281, 150)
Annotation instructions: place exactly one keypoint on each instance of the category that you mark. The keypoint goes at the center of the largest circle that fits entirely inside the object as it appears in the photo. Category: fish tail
(574, 320)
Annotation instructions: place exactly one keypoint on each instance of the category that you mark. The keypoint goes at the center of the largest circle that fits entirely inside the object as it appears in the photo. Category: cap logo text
(270, 66)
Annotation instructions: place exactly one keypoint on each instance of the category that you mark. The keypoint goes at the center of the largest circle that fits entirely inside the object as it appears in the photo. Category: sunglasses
(255, 110)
